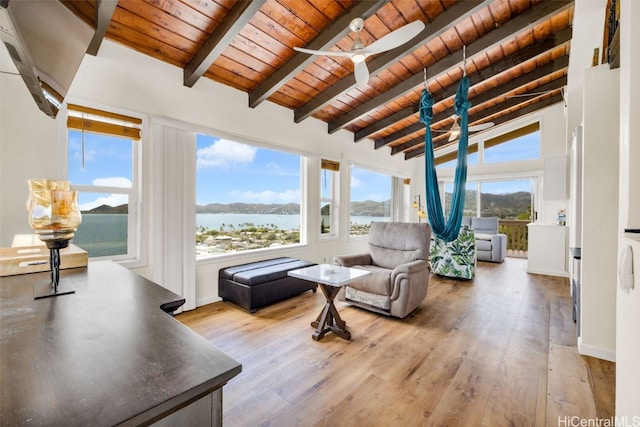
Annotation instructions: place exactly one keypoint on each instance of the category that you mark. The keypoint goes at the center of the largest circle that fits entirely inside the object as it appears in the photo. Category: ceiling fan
(359, 52)
(455, 128)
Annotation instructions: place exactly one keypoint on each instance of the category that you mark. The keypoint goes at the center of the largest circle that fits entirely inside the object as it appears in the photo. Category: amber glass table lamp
(54, 216)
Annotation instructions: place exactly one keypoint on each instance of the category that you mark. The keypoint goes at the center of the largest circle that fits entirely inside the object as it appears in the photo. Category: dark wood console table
(107, 355)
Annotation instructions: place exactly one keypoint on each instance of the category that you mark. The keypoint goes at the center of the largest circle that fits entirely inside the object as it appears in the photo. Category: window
(329, 190)
(102, 164)
(371, 199)
(521, 144)
(247, 197)
(505, 199)
(450, 160)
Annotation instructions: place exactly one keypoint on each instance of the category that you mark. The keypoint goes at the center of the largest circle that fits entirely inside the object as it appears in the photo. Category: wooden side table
(330, 278)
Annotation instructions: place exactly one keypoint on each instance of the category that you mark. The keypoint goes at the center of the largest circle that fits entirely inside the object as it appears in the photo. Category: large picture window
(247, 197)
(371, 199)
(505, 199)
(102, 164)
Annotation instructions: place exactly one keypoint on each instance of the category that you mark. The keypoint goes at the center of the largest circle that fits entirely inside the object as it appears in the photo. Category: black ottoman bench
(261, 283)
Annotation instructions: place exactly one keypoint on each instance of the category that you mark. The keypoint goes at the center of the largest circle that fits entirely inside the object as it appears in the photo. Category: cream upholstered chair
(398, 259)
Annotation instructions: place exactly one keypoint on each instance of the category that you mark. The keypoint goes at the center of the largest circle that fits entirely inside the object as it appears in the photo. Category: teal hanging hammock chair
(447, 231)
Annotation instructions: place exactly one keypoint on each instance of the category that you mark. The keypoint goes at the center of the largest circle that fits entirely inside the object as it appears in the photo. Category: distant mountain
(106, 209)
(505, 206)
(366, 208)
(370, 208)
(250, 208)
(501, 205)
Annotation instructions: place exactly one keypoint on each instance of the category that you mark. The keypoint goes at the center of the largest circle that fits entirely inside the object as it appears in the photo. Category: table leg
(329, 319)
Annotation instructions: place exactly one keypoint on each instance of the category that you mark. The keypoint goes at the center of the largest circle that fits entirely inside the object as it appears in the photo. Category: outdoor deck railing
(517, 236)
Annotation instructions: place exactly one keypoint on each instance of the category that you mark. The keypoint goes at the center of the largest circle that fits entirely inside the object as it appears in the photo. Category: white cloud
(267, 196)
(355, 182)
(223, 152)
(111, 200)
(116, 181)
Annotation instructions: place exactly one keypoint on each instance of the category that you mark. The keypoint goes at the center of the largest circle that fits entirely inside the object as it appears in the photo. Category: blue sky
(369, 185)
(107, 162)
(229, 171)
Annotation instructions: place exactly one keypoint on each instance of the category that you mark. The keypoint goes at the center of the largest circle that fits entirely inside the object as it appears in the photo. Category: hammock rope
(447, 230)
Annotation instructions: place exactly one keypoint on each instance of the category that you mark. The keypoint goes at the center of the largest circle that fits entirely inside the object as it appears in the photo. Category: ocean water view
(106, 234)
(102, 234)
(236, 221)
(283, 222)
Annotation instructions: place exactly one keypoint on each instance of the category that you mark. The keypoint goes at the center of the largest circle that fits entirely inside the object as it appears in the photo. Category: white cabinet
(547, 251)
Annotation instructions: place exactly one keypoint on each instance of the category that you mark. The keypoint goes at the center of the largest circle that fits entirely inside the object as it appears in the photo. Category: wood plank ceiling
(517, 56)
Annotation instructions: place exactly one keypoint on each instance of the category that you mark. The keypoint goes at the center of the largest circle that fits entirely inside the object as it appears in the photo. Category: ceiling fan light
(358, 58)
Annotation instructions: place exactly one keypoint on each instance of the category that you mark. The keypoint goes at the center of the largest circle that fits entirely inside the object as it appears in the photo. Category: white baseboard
(548, 272)
(595, 351)
(206, 301)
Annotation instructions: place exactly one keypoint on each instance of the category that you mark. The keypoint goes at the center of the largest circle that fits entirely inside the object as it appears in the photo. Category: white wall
(628, 304)
(33, 145)
(588, 27)
(27, 144)
(599, 238)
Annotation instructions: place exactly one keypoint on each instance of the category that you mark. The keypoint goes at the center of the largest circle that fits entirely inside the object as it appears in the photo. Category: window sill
(249, 255)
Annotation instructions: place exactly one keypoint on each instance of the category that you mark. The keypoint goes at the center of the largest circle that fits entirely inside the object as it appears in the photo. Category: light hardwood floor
(496, 351)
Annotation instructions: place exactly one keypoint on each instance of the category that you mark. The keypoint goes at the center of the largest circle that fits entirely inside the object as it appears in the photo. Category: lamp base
(48, 290)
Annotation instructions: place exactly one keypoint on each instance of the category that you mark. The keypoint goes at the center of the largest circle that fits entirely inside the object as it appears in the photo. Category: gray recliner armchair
(490, 245)
(398, 259)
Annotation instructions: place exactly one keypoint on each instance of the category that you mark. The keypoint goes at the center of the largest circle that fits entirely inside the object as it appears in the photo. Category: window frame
(136, 255)
(331, 167)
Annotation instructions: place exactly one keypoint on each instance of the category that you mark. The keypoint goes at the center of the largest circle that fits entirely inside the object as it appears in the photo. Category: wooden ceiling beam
(509, 103)
(518, 25)
(458, 12)
(239, 15)
(331, 35)
(531, 108)
(533, 51)
(535, 74)
(104, 12)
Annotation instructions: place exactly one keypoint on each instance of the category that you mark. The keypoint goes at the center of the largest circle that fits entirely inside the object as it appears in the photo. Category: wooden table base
(329, 319)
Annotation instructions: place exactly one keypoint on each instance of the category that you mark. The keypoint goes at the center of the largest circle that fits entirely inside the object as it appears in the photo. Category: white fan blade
(324, 52)
(362, 73)
(481, 126)
(395, 38)
(455, 129)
